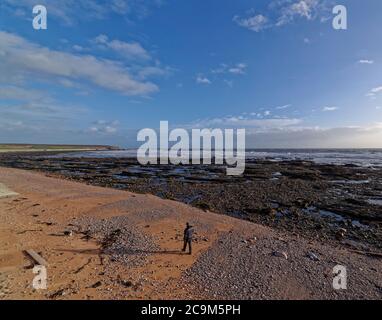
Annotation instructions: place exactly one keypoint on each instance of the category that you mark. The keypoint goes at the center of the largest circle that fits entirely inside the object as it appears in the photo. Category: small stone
(313, 256)
(96, 285)
(341, 232)
(280, 254)
(253, 239)
(68, 233)
(58, 293)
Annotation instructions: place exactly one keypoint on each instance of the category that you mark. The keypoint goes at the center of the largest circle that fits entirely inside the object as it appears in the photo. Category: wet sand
(232, 258)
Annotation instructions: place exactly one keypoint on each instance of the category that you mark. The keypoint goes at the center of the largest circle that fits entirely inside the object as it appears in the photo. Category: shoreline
(23, 148)
(328, 202)
(239, 255)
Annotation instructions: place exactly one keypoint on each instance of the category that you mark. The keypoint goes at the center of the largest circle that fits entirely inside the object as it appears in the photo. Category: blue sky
(104, 69)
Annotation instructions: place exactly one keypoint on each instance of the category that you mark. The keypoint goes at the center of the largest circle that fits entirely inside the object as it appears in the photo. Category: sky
(104, 69)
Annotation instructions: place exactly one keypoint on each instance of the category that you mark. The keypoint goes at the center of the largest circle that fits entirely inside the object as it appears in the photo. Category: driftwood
(82, 267)
(36, 257)
(25, 231)
(367, 253)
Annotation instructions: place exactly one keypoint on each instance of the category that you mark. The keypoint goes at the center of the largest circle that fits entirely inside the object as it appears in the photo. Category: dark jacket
(188, 233)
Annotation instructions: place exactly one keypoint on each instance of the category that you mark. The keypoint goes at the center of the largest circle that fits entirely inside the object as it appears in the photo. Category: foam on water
(359, 157)
(377, 202)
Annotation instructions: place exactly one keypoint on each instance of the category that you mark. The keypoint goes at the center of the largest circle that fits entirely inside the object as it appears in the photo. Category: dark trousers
(187, 242)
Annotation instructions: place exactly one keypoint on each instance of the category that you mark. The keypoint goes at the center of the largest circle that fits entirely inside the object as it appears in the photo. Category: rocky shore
(326, 202)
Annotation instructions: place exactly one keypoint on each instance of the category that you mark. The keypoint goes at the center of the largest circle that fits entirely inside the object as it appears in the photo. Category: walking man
(187, 238)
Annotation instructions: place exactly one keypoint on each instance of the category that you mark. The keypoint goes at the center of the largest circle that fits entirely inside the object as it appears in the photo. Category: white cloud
(292, 133)
(285, 12)
(329, 109)
(21, 59)
(376, 90)
(366, 61)
(36, 116)
(242, 121)
(153, 71)
(30, 109)
(104, 127)
(373, 92)
(254, 23)
(238, 69)
(224, 72)
(129, 50)
(120, 6)
(202, 80)
(283, 107)
(303, 9)
(221, 69)
(229, 83)
(19, 93)
(316, 137)
(79, 48)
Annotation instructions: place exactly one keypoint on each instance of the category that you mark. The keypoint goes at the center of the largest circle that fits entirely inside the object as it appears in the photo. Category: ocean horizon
(370, 157)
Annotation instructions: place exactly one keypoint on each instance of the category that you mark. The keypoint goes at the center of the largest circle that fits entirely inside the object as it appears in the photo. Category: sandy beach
(81, 231)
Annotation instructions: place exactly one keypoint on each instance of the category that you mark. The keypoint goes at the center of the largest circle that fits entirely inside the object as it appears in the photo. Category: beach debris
(269, 212)
(125, 283)
(202, 205)
(356, 245)
(96, 285)
(341, 233)
(47, 223)
(36, 257)
(83, 266)
(29, 230)
(58, 293)
(368, 253)
(87, 236)
(302, 203)
(281, 254)
(313, 256)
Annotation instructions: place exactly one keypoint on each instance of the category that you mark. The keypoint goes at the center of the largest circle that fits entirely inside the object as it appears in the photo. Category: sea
(360, 157)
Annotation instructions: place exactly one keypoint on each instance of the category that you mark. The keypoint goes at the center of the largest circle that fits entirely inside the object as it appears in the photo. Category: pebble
(280, 254)
(313, 256)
